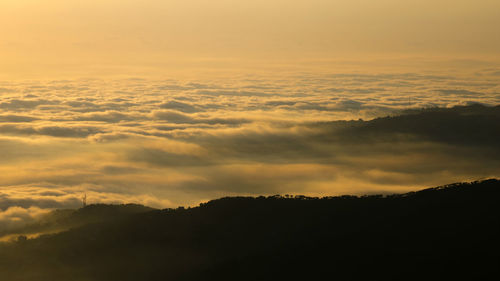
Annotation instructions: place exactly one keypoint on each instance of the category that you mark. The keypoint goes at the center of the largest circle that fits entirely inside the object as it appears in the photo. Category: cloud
(16, 118)
(467, 125)
(161, 157)
(169, 142)
(349, 105)
(180, 106)
(6, 90)
(17, 104)
(461, 92)
(109, 137)
(356, 90)
(14, 218)
(279, 103)
(40, 200)
(181, 118)
(53, 131)
(310, 106)
(109, 117)
(174, 117)
(380, 155)
(239, 93)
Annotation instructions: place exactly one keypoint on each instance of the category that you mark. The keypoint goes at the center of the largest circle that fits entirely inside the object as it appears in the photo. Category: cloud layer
(165, 143)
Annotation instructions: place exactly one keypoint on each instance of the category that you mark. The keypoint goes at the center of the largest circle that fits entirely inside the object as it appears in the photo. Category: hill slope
(64, 219)
(435, 234)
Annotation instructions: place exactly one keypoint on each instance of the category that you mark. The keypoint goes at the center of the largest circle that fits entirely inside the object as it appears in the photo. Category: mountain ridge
(442, 231)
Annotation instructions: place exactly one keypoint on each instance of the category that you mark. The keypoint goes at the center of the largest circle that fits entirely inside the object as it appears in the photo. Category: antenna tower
(84, 200)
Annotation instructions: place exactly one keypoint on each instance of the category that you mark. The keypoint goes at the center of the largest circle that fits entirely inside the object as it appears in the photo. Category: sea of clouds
(165, 143)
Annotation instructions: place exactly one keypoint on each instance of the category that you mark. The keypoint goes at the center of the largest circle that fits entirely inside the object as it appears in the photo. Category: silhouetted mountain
(461, 125)
(470, 125)
(97, 213)
(65, 219)
(441, 233)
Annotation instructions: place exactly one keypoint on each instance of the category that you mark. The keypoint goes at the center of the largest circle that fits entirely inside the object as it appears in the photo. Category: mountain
(441, 233)
(471, 125)
(64, 219)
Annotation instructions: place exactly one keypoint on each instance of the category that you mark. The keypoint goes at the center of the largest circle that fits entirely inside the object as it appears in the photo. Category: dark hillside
(435, 234)
(65, 219)
(470, 126)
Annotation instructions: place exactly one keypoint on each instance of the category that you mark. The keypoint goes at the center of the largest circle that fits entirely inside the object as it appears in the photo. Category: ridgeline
(440, 233)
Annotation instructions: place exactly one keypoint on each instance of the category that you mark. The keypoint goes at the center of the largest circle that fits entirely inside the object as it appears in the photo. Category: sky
(110, 37)
(169, 103)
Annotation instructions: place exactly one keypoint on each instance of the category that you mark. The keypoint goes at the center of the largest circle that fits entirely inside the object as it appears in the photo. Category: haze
(42, 38)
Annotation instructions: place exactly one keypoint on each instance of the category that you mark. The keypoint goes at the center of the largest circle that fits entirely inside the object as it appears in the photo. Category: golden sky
(77, 36)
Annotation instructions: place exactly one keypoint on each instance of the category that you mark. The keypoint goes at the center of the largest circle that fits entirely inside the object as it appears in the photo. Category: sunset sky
(170, 102)
(95, 37)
